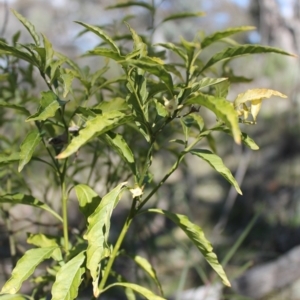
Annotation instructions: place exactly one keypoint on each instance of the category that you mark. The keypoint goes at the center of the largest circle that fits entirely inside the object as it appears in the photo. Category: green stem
(117, 246)
(65, 216)
(171, 171)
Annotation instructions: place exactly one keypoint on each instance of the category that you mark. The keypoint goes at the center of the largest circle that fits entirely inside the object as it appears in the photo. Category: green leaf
(98, 231)
(9, 159)
(17, 53)
(29, 27)
(183, 15)
(246, 139)
(216, 36)
(68, 279)
(95, 127)
(155, 69)
(113, 104)
(117, 142)
(27, 200)
(216, 162)
(222, 89)
(67, 80)
(206, 82)
(25, 267)
(28, 146)
(236, 51)
(132, 3)
(137, 288)
(49, 52)
(15, 297)
(88, 199)
(146, 266)
(43, 241)
(138, 44)
(48, 106)
(196, 235)
(175, 49)
(14, 106)
(99, 32)
(223, 109)
(106, 53)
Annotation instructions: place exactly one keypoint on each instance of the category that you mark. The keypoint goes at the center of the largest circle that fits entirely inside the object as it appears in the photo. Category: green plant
(152, 106)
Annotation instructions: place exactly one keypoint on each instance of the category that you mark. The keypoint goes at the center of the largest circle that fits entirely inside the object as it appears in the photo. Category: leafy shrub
(153, 105)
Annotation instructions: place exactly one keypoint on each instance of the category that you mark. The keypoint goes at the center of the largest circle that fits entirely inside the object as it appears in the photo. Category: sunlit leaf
(132, 3)
(98, 232)
(223, 109)
(27, 200)
(98, 31)
(196, 235)
(88, 199)
(113, 104)
(68, 279)
(236, 51)
(28, 146)
(48, 106)
(49, 52)
(138, 44)
(255, 94)
(106, 53)
(216, 162)
(183, 15)
(67, 80)
(29, 27)
(15, 297)
(216, 36)
(206, 82)
(94, 127)
(146, 266)
(137, 288)
(25, 267)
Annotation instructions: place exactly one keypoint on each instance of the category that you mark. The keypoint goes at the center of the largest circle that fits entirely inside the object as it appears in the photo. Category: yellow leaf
(255, 108)
(254, 94)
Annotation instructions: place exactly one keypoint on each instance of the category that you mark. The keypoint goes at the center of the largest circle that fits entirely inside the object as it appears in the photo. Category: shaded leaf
(183, 15)
(48, 106)
(88, 199)
(216, 36)
(98, 232)
(196, 235)
(9, 159)
(223, 109)
(28, 146)
(216, 162)
(206, 82)
(14, 106)
(68, 279)
(138, 44)
(155, 69)
(117, 142)
(137, 288)
(25, 267)
(98, 31)
(175, 49)
(94, 127)
(113, 104)
(28, 26)
(27, 200)
(236, 51)
(49, 52)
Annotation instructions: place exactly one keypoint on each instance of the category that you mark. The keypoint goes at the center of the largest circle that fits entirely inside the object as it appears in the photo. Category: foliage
(152, 105)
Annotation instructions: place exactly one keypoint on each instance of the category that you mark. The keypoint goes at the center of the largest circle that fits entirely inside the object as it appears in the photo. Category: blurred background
(269, 210)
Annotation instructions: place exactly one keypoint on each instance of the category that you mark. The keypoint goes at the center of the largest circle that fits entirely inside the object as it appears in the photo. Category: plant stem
(65, 215)
(117, 245)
